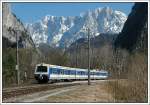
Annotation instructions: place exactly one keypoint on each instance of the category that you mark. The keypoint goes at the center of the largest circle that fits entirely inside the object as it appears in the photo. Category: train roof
(62, 67)
(103, 71)
(70, 68)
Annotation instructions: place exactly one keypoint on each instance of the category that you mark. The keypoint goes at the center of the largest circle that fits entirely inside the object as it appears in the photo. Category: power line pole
(17, 61)
(89, 56)
(76, 53)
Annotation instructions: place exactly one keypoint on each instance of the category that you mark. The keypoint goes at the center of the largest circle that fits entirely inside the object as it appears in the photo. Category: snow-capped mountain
(62, 31)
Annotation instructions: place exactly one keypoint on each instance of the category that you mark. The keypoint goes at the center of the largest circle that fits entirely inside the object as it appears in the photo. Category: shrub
(135, 88)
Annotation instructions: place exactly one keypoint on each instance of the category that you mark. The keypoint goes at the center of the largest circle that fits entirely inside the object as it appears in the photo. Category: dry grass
(84, 93)
(131, 92)
(135, 89)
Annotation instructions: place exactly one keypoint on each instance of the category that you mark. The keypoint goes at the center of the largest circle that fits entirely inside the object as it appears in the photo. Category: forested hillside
(134, 41)
(134, 34)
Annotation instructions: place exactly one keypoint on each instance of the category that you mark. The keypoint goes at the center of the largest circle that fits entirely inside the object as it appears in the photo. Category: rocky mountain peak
(60, 31)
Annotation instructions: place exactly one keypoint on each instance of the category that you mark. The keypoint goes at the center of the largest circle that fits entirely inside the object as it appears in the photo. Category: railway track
(9, 93)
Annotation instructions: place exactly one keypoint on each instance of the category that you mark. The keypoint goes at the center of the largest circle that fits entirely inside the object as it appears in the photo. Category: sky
(31, 12)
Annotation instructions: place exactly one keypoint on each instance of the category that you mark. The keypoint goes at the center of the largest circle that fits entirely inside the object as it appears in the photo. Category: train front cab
(41, 73)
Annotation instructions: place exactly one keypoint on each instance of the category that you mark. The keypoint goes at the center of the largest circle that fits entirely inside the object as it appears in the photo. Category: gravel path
(96, 92)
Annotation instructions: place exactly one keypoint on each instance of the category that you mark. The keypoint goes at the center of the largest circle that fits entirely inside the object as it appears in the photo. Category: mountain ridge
(59, 30)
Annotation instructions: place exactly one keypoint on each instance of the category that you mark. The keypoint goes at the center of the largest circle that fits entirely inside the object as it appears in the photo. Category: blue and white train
(47, 72)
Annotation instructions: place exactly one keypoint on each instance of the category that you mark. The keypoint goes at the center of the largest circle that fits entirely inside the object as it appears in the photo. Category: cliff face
(13, 29)
(134, 35)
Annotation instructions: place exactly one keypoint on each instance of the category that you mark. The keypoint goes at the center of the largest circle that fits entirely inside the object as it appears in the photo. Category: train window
(91, 73)
(78, 72)
(66, 72)
(73, 72)
(104, 74)
(70, 72)
(41, 69)
(61, 71)
(54, 71)
(82, 72)
(50, 70)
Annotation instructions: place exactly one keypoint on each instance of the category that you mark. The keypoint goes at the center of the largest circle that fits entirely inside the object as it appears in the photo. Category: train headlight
(41, 76)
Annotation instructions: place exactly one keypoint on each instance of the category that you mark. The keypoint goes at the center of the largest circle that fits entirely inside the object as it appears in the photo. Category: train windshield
(41, 69)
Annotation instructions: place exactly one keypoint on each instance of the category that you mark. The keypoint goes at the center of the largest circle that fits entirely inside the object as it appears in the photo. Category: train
(47, 72)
